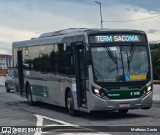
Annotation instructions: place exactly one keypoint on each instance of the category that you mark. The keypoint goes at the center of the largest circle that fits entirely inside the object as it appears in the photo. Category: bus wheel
(123, 111)
(7, 89)
(29, 96)
(70, 104)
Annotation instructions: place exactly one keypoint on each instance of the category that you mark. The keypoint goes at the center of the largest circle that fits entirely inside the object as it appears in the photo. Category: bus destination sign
(117, 38)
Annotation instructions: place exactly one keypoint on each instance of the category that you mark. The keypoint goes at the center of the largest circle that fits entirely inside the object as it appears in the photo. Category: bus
(85, 69)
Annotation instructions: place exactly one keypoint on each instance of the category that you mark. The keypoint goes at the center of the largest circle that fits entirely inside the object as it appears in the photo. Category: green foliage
(155, 52)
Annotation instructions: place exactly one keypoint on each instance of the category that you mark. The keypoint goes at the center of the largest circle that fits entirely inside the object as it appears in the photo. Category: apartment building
(5, 61)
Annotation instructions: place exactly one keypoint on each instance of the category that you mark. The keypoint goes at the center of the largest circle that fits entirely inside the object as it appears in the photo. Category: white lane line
(40, 119)
(39, 123)
(58, 121)
(98, 133)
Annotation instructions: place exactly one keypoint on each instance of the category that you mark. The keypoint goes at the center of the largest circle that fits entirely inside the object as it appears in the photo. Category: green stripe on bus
(39, 90)
(123, 93)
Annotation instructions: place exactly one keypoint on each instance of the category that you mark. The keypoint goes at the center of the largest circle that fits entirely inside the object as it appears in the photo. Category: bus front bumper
(120, 104)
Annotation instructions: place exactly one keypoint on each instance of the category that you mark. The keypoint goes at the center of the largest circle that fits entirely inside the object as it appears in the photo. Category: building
(5, 61)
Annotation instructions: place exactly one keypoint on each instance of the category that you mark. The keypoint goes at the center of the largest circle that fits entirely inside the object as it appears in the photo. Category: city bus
(85, 69)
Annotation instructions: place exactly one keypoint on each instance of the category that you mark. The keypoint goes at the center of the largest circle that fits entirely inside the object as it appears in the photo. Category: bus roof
(62, 35)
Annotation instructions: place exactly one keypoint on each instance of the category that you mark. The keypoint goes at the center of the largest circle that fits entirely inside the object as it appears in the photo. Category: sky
(25, 19)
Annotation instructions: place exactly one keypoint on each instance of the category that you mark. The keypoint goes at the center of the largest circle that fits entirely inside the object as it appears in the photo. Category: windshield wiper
(131, 53)
(128, 62)
(130, 57)
(111, 55)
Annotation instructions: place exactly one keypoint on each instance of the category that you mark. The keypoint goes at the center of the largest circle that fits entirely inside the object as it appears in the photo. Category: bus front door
(80, 69)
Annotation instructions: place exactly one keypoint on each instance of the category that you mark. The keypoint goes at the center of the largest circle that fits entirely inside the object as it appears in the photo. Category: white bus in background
(85, 69)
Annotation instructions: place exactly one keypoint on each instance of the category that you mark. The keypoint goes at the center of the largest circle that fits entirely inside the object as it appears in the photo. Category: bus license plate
(124, 105)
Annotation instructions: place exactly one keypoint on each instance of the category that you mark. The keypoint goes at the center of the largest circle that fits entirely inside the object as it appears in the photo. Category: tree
(155, 52)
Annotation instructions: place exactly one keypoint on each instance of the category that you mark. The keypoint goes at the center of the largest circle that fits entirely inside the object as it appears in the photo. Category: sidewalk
(2, 80)
(156, 93)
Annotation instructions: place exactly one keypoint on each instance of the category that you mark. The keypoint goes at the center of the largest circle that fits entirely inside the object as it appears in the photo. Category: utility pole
(100, 13)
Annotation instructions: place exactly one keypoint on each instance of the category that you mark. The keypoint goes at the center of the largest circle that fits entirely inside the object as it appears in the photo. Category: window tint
(55, 58)
(65, 59)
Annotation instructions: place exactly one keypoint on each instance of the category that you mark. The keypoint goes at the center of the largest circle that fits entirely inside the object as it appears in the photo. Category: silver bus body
(52, 85)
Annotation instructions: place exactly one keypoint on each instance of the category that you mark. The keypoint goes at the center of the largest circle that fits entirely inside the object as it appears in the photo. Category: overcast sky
(24, 19)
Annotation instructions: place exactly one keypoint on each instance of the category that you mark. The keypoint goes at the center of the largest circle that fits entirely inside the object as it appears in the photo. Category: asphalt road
(14, 111)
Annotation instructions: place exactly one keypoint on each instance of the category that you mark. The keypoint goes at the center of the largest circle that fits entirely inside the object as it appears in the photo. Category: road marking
(40, 119)
(39, 123)
(98, 133)
(61, 123)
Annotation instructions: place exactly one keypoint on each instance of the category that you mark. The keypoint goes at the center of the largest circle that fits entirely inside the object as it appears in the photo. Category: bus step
(84, 100)
(83, 109)
(84, 105)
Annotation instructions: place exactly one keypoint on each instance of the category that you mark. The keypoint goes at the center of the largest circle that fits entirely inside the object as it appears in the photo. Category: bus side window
(69, 64)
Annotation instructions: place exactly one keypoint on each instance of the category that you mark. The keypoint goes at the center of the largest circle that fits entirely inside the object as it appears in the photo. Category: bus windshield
(120, 63)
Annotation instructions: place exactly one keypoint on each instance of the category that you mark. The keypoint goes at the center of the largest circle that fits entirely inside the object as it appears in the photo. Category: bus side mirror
(88, 58)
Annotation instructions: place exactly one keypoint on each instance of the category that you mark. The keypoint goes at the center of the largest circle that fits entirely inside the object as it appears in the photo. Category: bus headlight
(148, 90)
(98, 93)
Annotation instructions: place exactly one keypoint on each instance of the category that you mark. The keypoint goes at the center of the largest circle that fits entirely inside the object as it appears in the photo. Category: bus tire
(29, 96)
(123, 111)
(70, 104)
(7, 89)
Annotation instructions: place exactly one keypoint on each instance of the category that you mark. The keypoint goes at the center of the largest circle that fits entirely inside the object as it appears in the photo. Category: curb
(156, 102)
